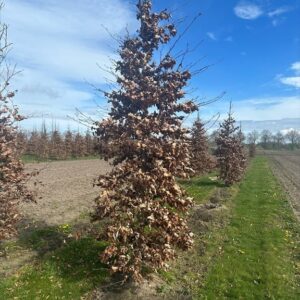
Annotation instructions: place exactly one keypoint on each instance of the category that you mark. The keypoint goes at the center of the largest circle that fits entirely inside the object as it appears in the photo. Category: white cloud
(258, 109)
(65, 38)
(272, 108)
(247, 10)
(278, 11)
(58, 44)
(296, 67)
(292, 81)
(287, 130)
(212, 36)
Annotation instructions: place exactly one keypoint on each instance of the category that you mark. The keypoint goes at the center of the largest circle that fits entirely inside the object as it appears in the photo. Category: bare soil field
(286, 166)
(66, 190)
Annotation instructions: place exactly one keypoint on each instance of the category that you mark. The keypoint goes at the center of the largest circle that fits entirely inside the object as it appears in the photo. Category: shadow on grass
(64, 267)
(201, 182)
(41, 237)
(73, 258)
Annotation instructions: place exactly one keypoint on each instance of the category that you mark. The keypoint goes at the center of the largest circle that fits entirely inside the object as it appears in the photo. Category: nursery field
(246, 241)
(286, 166)
(66, 189)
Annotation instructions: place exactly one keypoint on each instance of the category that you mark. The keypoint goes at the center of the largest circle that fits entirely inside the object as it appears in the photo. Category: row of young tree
(267, 140)
(56, 145)
(144, 207)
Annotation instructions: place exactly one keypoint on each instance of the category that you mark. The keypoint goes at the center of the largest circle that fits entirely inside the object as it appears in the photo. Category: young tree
(202, 160)
(68, 143)
(88, 140)
(230, 152)
(33, 143)
(43, 143)
(56, 145)
(12, 176)
(79, 149)
(140, 198)
(21, 142)
(252, 139)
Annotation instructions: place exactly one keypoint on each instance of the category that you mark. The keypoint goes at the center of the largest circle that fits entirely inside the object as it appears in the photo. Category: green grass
(247, 251)
(28, 158)
(200, 188)
(66, 273)
(259, 256)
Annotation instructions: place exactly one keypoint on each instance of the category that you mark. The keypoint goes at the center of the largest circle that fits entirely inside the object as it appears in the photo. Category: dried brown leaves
(230, 152)
(202, 160)
(145, 207)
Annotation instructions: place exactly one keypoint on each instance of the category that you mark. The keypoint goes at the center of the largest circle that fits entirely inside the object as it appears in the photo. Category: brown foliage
(202, 161)
(144, 206)
(230, 152)
(12, 175)
(57, 145)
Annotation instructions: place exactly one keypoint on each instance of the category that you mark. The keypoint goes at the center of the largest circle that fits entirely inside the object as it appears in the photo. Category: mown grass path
(259, 257)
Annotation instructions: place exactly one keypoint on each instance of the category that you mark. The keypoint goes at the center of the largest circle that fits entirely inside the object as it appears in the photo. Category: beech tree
(144, 207)
(22, 142)
(43, 143)
(68, 143)
(12, 175)
(79, 146)
(202, 160)
(33, 143)
(230, 151)
(56, 142)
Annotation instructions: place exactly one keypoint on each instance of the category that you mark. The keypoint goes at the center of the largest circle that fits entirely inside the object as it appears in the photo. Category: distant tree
(68, 144)
(140, 199)
(293, 137)
(266, 138)
(96, 145)
(252, 139)
(89, 144)
(43, 143)
(279, 140)
(212, 139)
(202, 161)
(56, 145)
(230, 151)
(33, 143)
(22, 142)
(241, 135)
(79, 148)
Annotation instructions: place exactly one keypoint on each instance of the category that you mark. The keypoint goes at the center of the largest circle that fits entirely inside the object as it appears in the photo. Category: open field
(286, 166)
(246, 242)
(67, 190)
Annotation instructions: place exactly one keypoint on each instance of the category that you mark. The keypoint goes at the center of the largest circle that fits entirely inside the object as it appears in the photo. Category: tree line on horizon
(267, 140)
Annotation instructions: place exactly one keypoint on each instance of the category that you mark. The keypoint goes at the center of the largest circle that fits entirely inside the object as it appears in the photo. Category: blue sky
(253, 46)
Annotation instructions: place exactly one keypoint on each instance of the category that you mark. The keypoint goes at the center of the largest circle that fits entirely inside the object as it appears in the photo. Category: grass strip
(260, 257)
